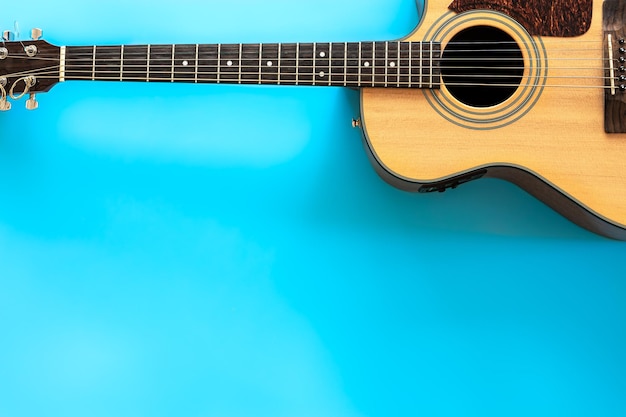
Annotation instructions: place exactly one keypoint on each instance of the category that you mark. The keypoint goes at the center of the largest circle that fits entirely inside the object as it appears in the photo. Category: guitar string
(88, 61)
(339, 45)
(352, 83)
(143, 61)
(88, 52)
(399, 70)
(252, 56)
(154, 71)
(180, 50)
(402, 73)
(392, 46)
(545, 41)
(106, 68)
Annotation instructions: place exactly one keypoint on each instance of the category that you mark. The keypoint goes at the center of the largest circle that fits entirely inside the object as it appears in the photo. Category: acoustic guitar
(533, 92)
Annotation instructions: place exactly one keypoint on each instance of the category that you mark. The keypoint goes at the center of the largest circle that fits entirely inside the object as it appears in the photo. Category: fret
(360, 64)
(421, 73)
(386, 64)
(135, 63)
(306, 59)
(380, 64)
(160, 64)
(288, 64)
(353, 64)
(229, 66)
(424, 65)
(366, 67)
(410, 66)
(322, 64)
(345, 64)
(148, 64)
(279, 51)
(239, 66)
(404, 64)
(93, 63)
(399, 66)
(416, 64)
(208, 63)
(122, 63)
(373, 63)
(338, 60)
(260, 63)
(392, 64)
(219, 64)
(197, 54)
(431, 65)
(184, 62)
(330, 66)
(173, 64)
(269, 68)
(80, 63)
(297, 63)
(107, 62)
(436, 70)
(314, 60)
(250, 58)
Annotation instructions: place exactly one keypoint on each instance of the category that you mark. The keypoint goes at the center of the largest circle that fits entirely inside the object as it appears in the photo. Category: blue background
(182, 250)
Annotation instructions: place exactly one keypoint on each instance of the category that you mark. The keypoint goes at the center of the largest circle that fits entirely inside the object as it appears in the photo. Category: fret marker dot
(367, 64)
(270, 63)
(229, 63)
(185, 63)
(322, 54)
(392, 64)
(322, 74)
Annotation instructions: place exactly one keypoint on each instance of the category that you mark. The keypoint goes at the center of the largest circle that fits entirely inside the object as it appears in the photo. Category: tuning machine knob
(31, 50)
(4, 103)
(36, 34)
(7, 36)
(32, 103)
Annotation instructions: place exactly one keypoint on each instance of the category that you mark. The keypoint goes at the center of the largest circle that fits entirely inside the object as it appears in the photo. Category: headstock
(26, 68)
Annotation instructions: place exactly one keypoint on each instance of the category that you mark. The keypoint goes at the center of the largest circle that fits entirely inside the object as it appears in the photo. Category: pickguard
(560, 18)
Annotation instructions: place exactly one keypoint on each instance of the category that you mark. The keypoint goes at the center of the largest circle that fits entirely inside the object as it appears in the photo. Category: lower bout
(528, 181)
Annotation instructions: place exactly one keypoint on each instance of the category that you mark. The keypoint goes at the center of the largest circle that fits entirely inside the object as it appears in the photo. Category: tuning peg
(32, 103)
(7, 36)
(36, 34)
(5, 105)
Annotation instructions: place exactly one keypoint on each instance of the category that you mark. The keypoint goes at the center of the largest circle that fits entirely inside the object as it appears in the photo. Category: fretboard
(351, 64)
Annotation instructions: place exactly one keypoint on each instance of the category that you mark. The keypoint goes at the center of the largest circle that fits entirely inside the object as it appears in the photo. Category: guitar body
(546, 136)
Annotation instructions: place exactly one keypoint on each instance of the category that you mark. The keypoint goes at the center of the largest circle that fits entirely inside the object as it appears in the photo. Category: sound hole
(482, 66)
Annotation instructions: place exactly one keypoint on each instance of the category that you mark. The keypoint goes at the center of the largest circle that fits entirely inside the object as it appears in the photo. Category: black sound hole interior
(482, 66)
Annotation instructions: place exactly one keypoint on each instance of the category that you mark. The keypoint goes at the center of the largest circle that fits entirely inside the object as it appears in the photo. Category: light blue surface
(180, 250)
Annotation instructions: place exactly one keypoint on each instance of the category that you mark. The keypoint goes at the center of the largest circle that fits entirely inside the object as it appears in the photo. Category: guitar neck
(350, 64)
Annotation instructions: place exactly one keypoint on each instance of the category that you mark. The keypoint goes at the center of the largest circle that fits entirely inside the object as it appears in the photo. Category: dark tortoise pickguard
(561, 18)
